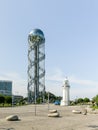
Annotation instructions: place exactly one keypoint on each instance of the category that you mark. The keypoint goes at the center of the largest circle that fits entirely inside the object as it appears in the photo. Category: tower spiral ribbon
(36, 65)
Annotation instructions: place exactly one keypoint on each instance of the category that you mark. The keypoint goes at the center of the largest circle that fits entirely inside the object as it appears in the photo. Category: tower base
(64, 103)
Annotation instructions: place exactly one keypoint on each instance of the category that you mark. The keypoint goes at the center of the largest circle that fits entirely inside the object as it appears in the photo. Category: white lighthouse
(66, 97)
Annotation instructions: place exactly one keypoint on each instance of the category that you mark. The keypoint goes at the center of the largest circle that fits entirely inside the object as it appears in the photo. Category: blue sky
(71, 31)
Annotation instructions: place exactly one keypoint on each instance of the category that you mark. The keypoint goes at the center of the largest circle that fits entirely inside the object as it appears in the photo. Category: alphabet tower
(36, 65)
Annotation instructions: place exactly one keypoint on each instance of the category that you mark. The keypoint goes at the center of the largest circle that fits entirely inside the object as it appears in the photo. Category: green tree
(80, 100)
(2, 99)
(8, 99)
(86, 99)
(95, 100)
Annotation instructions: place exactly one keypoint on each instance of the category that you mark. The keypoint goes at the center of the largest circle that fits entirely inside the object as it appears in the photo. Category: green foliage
(8, 99)
(2, 99)
(80, 100)
(21, 102)
(86, 99)
(52, 97)
(49, 95)
(95, 100)
(39, 100)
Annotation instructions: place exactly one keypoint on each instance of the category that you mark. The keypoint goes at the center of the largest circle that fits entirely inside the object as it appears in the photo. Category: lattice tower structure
(36, 65)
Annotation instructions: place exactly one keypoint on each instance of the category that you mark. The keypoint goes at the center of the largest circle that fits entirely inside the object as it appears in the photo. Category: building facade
(6, 87)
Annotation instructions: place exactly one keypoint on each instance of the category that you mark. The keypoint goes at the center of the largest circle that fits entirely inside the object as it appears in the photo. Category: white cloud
(82, 81)
(54, 82)
(79, 87)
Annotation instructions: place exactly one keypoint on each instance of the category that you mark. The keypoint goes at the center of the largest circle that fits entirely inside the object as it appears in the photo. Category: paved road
(28, 120)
